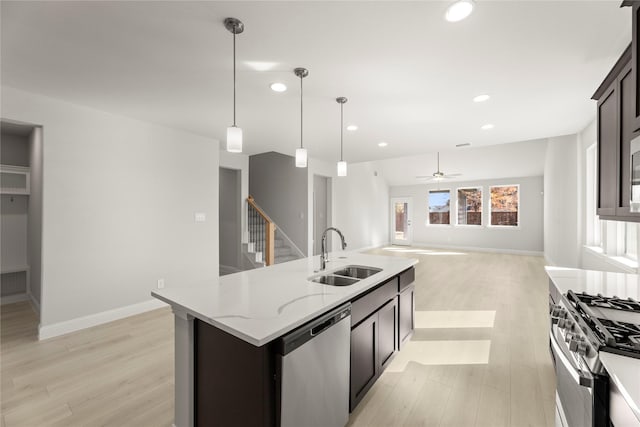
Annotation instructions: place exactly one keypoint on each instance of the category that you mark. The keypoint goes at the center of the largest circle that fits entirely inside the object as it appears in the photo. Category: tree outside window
(505, 201)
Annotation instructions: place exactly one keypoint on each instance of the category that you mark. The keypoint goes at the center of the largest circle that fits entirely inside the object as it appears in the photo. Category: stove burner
(614, 303)
(622, 334)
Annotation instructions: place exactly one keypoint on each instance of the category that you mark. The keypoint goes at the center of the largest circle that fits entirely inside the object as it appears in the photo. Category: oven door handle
(581, 377)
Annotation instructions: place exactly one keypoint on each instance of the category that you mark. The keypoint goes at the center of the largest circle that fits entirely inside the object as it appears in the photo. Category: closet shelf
(13, 269)
(15, 180)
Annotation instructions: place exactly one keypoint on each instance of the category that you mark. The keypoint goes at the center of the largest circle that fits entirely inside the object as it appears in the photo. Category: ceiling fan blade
(425, 178)
(452, 175)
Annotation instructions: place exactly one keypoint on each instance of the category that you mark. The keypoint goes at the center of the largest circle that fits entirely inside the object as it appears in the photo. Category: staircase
(266, 244)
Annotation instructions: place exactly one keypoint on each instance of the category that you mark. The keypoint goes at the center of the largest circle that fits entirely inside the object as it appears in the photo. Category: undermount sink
(357, 271)
(332, 280)
(346, 276)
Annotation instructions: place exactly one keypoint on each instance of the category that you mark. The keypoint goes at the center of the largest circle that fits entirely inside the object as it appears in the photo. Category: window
(439, 202)
(631, 240)
(593, 223)
(469, 206)
(504, 205)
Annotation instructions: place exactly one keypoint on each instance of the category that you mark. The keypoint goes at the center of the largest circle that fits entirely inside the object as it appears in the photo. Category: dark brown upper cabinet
(635, 53)
(618, 121)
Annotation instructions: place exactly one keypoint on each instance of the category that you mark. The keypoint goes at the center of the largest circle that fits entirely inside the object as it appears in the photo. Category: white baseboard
(61, 328)
(477, 249)
(10, 299)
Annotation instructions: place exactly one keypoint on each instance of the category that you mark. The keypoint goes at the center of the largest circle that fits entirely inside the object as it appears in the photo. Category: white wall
(562, 231)
(34, 222)
(527, 238)
(118, 208)
(361, 206)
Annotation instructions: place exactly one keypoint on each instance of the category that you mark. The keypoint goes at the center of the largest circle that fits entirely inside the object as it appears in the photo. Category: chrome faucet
(323, 247)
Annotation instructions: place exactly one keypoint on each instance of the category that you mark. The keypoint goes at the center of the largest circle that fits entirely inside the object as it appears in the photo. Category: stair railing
(263, 229)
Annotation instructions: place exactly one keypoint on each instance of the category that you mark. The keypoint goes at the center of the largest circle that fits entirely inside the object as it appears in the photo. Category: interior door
(401, 233)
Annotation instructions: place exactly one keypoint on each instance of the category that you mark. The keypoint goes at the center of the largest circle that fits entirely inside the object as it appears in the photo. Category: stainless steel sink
(331, 280)
(357, 271)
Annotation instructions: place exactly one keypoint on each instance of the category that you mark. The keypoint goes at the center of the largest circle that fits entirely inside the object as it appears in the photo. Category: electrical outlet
(160, 283)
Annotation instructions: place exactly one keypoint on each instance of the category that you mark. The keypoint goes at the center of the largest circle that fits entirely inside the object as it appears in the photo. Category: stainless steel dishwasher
(313, 372)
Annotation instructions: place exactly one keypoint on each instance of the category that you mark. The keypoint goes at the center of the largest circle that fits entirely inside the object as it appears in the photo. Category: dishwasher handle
(298, 337)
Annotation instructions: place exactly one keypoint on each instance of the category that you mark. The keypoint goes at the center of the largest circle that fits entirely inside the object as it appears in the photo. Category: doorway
(230, 221)
(401, 230)
(21, 216)
(321, 211)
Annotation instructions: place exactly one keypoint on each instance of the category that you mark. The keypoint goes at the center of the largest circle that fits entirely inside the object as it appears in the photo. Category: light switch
(200, 216)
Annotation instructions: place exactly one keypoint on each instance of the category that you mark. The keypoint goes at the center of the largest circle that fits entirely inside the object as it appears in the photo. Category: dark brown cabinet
(373, 345)
(406, 319)
(635, 65)
(618, 121)
(608, 152)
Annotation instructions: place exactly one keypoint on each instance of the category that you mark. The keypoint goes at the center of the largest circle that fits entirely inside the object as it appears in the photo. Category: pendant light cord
(234, 76)
(301, 77)
(341, 127)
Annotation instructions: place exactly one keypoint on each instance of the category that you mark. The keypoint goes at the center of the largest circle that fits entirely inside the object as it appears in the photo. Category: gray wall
(281, 191)
(118, 208)
(229, 218)
(14, 149)
(528, 237)
(34, 222)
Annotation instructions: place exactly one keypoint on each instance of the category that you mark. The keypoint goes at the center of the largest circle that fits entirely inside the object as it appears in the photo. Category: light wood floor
(121, 373)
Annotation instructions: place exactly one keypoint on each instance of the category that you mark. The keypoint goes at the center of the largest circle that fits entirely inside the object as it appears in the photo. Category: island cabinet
(382, 320)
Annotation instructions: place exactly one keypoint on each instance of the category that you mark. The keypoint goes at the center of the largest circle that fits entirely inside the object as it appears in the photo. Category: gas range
(589, 324)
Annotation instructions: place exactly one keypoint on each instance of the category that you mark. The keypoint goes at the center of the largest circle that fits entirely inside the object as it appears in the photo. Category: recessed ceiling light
(487, 126)
(459, 10)
(382, 144)
(481, 98)
(278, 87)
(352, 127)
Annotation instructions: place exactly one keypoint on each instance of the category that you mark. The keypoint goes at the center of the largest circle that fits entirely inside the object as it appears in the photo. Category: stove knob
(573, 344)
(583, 349)
(568, 337)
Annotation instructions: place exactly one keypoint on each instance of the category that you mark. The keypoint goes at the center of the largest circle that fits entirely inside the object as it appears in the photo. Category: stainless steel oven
(581, 395)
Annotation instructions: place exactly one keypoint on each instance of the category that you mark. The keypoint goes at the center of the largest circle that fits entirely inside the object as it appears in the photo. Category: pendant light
(301, 153)
(342, 165)
(234, 133)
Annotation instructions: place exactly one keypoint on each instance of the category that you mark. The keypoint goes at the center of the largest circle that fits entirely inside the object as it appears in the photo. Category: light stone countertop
(624, 371)
(260, 305)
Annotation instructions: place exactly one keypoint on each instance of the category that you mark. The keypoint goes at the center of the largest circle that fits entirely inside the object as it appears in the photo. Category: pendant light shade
(342, 165)
(301, 153)
(301, 157)
(234, 139)
(234, 133)
(342, 168)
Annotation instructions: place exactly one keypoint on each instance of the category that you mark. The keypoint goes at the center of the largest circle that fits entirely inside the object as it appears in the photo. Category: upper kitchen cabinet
(635, 53)
(618, 119)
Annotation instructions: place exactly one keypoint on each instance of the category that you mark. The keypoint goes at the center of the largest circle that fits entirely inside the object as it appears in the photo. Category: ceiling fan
(438, 175)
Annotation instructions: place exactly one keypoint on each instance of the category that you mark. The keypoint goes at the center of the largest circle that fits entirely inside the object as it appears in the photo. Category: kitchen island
(249, 311)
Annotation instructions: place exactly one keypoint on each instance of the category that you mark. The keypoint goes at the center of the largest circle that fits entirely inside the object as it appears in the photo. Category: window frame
(490, 210)
(428, 208)
(482, 222)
